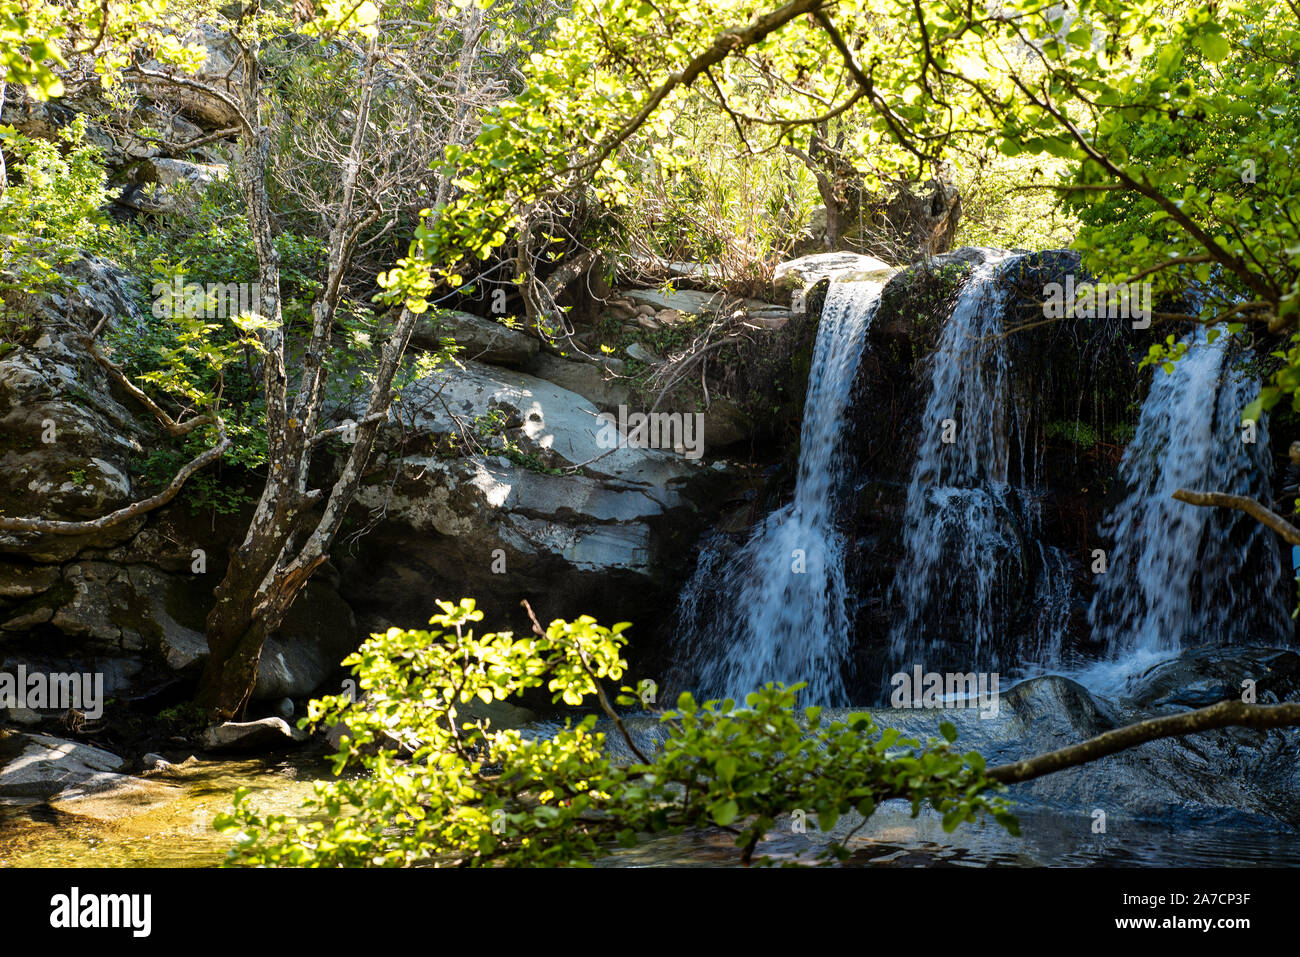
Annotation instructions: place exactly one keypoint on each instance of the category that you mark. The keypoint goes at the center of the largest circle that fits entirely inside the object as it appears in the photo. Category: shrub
(439, 788)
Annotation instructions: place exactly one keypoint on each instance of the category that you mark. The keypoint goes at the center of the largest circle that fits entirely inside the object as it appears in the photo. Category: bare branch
(1225, 714)
(1242, 503)
(52, 527)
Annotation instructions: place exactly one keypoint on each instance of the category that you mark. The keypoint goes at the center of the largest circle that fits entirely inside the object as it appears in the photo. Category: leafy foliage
(438, 785)
(52, 206)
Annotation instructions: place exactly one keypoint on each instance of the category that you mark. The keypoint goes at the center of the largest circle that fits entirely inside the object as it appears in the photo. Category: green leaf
(724, 812)
(726, 768)
(1214, 46)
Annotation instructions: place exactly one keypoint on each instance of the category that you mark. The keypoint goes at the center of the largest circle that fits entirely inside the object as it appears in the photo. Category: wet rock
(1204, 676)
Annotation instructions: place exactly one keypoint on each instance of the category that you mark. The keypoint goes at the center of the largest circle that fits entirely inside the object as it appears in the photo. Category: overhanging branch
(53, 527)
(1225, 714)
(1243, 503)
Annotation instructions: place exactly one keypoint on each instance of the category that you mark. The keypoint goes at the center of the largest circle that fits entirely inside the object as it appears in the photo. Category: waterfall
(1178, 574)
(965, 525)
(776, 609)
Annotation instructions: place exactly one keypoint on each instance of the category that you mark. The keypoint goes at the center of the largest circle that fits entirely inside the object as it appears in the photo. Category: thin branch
(600, 692)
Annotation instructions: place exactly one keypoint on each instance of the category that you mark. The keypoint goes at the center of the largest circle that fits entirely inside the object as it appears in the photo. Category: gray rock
(24, 581)
(266, 734)
(691, 302)
(148, 198)
(596, 382)
(41, 766)
(842, 267)
(560, 427)
(173, 172)
(318, 632)
(24, 717)
(51, 389)
(218, 67)
(643, 353)
(480, 339)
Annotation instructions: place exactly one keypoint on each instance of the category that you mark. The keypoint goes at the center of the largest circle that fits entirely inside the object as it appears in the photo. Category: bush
(439, 789)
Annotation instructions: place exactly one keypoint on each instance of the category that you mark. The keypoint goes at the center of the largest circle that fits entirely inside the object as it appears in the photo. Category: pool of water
(165, 822)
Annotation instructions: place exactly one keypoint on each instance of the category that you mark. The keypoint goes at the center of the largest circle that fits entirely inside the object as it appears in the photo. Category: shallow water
(169, 825)
(166, 823)
(894, 839)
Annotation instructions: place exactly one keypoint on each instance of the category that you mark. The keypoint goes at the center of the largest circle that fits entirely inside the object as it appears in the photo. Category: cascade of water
(963, 523)
(780, 600)
(1178, 574)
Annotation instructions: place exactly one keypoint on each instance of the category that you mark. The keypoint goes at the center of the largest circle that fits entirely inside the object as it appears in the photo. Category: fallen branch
(1225, 714)
(1243, 503)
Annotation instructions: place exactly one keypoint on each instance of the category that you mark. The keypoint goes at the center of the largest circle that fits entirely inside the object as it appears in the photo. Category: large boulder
(42, 767)
(220, 67)
(267, 734)
(913, 222)
(480, 339)
(556, 517)
(797, 274)
(67, 439)
(598, 382)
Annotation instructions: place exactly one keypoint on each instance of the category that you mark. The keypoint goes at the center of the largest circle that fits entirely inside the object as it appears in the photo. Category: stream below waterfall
(172, 828)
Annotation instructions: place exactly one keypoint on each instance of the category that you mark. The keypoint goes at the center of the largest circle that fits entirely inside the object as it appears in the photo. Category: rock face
(490, 482)
(67, 441)
(505, 527)
(128, 602)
